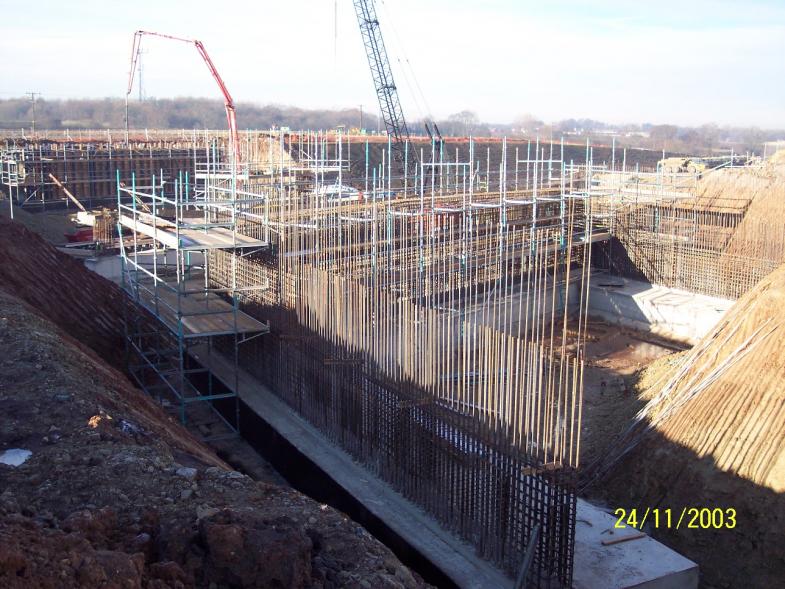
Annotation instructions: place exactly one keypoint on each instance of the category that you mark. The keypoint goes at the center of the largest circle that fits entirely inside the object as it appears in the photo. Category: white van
(340, 193)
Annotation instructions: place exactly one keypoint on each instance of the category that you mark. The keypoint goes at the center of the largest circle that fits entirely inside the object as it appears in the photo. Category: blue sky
(679, 62)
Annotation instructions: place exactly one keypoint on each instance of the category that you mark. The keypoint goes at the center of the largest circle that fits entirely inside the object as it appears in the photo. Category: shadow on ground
(662, 474)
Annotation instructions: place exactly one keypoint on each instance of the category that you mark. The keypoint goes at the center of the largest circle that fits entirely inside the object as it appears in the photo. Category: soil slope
(117, 494)
(713, 435)
(85, 305)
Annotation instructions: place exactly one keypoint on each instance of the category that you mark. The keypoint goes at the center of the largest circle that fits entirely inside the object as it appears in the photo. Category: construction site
(317, 358)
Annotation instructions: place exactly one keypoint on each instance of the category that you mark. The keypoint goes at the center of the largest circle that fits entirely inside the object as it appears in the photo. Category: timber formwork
(33, 171)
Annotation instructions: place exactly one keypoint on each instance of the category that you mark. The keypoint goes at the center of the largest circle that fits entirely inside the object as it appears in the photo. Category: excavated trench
(307, 477)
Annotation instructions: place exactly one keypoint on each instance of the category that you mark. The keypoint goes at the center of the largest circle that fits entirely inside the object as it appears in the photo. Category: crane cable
(427, 115)
(402, 51)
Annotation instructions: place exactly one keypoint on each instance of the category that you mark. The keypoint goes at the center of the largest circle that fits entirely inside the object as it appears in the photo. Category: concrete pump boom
(231, 117)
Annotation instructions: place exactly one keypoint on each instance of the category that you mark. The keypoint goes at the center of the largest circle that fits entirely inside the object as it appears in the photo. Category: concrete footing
(455, 558)
(640, 563)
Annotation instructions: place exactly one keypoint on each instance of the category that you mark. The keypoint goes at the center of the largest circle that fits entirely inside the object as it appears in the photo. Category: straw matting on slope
(713, 436)
(778, 157)
(726, 191)
(739, 419)
(761, 233)
(726, 399)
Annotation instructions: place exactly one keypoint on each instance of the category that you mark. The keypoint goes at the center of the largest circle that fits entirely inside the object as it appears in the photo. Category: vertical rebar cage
(430, 324)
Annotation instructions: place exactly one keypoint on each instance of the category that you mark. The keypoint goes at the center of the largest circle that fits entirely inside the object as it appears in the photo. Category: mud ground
(117, 494)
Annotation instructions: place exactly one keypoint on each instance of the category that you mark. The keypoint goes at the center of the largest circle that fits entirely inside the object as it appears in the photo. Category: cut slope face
(725, 399)
(86, 306)
(109, 491)
(713, 436)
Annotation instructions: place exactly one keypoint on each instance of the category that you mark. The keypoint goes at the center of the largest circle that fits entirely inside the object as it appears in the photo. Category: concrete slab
(668, 312)
(640, 563)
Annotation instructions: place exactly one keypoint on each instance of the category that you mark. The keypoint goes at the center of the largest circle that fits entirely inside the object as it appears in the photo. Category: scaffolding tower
(167, 231)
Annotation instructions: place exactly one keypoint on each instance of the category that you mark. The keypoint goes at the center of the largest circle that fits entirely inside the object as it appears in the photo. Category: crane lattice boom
(386, 91)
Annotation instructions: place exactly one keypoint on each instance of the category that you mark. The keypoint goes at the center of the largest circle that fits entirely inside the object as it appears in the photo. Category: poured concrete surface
(643, 562)
(668, 312)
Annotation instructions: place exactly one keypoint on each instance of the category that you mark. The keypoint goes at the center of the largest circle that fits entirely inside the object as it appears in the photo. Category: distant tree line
(700, 140)
(177, 113)
(201, 113)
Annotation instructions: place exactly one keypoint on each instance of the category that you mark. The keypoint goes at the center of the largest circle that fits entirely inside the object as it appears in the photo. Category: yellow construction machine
(676, 165)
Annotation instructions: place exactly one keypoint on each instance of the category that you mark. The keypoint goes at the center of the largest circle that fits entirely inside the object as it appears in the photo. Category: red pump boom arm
(231, 117)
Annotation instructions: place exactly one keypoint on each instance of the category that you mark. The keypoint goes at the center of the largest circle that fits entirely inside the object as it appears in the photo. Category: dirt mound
(713, 435)
(778, 157)
(109, 492)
